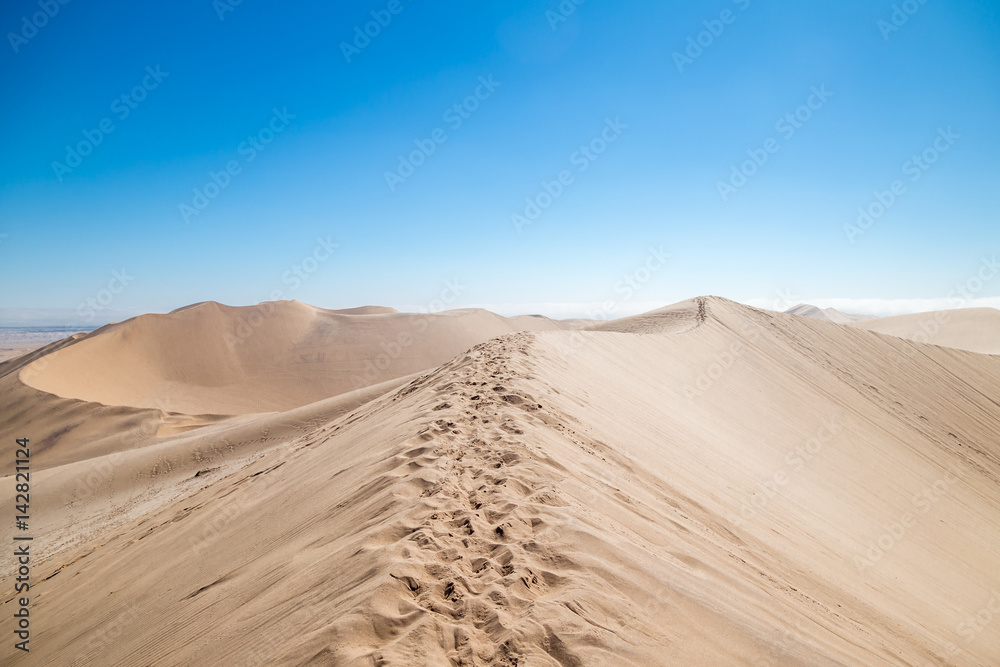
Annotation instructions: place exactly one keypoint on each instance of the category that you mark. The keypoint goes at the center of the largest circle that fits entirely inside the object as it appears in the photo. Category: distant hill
(827, 314)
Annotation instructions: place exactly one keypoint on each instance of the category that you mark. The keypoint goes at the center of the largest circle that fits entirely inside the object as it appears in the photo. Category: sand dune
(675, 319)
(704, 484)
(215, 359)
(131, 384)
(827, 314)
(974, 329)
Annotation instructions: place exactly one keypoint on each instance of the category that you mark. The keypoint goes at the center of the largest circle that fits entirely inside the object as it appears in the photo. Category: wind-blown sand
(704, 484)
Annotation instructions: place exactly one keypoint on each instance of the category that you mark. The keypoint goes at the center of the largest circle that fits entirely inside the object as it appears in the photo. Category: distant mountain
(827, 314)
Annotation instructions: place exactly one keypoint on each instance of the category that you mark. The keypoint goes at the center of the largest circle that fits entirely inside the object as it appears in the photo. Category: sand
(974, 329)
(14, 351)
(705, 484)
(131, 384)
(216, 359)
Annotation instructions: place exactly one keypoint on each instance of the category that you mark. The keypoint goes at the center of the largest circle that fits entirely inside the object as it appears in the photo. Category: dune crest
(213, 359)
(740, 487)
(674, 319)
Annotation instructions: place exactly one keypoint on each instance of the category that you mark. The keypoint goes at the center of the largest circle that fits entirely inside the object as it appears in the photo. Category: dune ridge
(132, 384)
(220, 360)
(709, 484)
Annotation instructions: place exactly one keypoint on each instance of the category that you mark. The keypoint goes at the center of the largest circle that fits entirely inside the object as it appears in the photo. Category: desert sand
(210, 358)
(14, 351)
(974, 329)
(705, 484)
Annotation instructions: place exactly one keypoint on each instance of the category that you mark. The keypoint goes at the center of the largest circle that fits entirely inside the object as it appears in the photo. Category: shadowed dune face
(215, 359)
(974, 329)
(743, 488)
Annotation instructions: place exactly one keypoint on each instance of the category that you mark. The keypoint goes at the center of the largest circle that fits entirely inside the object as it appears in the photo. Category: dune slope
(132, 384)
(758, 489)
(974, 329)
(215, 359)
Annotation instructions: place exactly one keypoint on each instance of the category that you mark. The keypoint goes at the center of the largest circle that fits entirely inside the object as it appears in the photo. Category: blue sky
(252, 155)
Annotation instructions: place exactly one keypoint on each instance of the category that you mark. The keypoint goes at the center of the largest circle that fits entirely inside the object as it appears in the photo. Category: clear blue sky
(673, 128)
